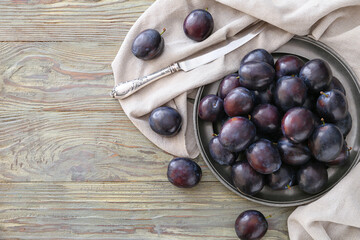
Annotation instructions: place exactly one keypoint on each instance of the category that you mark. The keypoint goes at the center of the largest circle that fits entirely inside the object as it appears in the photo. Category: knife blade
(125, 89)
(193, 63)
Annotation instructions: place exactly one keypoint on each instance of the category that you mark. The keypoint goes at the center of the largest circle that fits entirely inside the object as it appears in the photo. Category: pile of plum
(288, 119)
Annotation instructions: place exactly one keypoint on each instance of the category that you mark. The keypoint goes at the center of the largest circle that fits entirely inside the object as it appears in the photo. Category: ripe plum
(239, 101)
(342, 158)
(288, 65)
(198, 25)
(294, 154)
(290, 92)
(326, 142)
(263, 156)
(246, 179)
(316, 74)
(251, 225)
(256, 75)
(229, 82)
(211, 108)
(184, 173)
(336, 84)
(345, 125)
(258, 55)
(312, 177)
(165, 121)
(148, 44)
(297, 124)
(283, 178)
(266, 118)
(220, 154)
(332, 105)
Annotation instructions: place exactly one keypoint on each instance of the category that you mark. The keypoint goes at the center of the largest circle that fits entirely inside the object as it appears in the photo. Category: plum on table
(184, 173)
(211, 108)
(251, 225)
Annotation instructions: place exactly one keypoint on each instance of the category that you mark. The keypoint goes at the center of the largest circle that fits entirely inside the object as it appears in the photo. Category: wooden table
(72, 165)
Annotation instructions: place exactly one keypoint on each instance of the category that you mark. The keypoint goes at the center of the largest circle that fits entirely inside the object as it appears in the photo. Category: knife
(125, 89)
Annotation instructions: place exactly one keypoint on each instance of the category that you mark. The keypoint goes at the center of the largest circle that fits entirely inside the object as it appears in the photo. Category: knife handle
(125, 89)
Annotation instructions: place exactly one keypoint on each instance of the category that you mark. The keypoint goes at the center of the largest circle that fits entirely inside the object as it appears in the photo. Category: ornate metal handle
(125, 89)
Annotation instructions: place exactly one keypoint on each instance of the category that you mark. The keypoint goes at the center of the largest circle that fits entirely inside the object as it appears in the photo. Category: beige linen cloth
(335, 23)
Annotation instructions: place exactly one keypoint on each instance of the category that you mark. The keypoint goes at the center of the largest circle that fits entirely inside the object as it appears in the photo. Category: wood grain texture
(125, 211)
(56, 20)
(72, 165)
(58, 122)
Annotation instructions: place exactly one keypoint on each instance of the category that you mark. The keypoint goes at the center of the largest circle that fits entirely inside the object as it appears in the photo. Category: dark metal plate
(305, 48)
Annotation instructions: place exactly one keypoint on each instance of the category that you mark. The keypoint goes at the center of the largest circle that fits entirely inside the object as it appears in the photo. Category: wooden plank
(58, 122)
(56, 20)
(126, 211)
(57, 76)
(78, 146)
